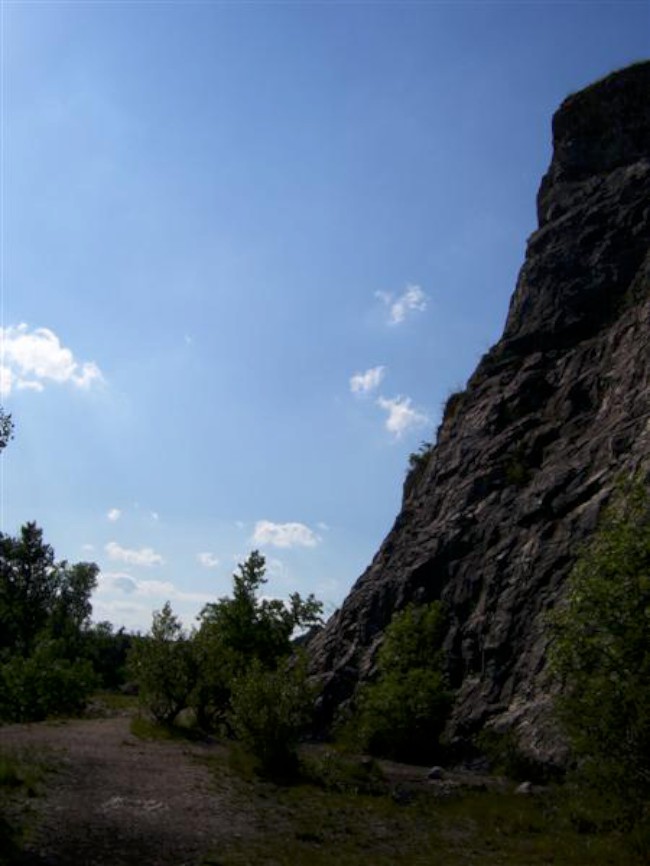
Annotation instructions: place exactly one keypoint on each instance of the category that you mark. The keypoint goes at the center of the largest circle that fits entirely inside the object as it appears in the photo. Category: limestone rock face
(525, 457)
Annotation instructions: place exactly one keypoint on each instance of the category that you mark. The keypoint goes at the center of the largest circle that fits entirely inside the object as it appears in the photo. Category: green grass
(114, 702)
(146, 728)
(313, 823)
(22, 773)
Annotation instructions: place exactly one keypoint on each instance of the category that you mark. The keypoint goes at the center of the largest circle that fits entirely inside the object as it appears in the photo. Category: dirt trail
(116, 800)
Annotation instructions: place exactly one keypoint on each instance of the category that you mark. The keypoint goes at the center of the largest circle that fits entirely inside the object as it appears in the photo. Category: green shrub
(506, 756)
(239, 631)
(601, 656)
(270, 710)
(418, 461)
(44, 684)
(403, 713)
(163, 666)
(343, 773)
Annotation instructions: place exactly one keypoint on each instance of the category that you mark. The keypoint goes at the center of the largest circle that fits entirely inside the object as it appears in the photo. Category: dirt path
(116, 800)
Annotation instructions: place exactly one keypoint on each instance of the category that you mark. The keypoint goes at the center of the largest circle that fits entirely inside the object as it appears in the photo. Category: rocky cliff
(525, 457)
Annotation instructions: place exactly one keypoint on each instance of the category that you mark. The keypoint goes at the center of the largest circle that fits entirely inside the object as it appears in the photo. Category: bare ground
(113, 799)
(116, 800)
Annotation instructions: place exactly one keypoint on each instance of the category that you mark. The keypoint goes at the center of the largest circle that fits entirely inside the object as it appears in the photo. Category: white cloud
(412, 299)
(31, 358)
(24, 385)
(88, 548)
(6, 381)
(155, 515)
(363, 383)
(401, 415)
(145, 556)
(114, 514)
(122, 582)
(207, 559)
(284, 534)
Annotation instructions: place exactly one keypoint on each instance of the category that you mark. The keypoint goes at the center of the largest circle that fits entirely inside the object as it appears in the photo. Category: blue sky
(248, 249)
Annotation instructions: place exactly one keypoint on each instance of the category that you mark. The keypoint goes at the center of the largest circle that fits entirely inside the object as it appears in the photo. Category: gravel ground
(116, 800)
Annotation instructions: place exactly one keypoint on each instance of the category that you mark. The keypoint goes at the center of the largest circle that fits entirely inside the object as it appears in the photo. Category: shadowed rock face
(526, 456)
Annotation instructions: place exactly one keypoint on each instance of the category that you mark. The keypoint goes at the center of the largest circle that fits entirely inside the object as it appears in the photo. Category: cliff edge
(493, 516)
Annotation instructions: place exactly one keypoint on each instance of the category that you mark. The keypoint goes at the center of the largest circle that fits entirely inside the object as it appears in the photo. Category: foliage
(601, 654)
(44, 612)
(402, 714)
(344, 773)
(236, 671)
(413, 823)
(163, 665)
(6, 429)
(418, 461)
(41, 596)
(21, 774)
(503, 751)
(255, 628)
(44, 684)
(240, 631)
(270, 709)
(419, 458)
(108, 651)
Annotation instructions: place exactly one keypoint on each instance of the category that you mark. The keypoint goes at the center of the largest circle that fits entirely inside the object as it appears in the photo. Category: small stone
(436, 773)
(526, 788)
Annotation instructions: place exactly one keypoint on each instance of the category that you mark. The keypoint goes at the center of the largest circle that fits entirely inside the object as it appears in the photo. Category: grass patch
(22, 773)
(113, 702)
(324, 820)
(146, 728)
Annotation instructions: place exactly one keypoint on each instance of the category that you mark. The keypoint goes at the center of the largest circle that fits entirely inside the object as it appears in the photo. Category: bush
(44, 684)
(601, 655)
(270, 709)
(163, 666)
(243, 630)
(402, 715)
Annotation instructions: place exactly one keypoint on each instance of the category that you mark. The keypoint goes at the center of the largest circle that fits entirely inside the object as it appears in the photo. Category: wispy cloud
(32, 358)
(114, 514)
(363, 383)
(412, 299)
(144, 556)
(401, 415)
(208, 560)
(284, 534)
(123, 582)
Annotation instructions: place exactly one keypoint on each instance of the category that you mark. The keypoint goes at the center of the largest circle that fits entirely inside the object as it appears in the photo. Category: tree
(108, 651)
(403, 713)
(44, 683)
(239, 631)
(163, 666)
(270, 709)
(39, 595)
(6, 429)
(44, 611)
(255, 628)
(601, 654)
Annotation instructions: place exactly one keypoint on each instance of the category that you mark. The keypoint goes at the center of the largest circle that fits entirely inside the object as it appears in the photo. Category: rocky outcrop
(525, 457)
